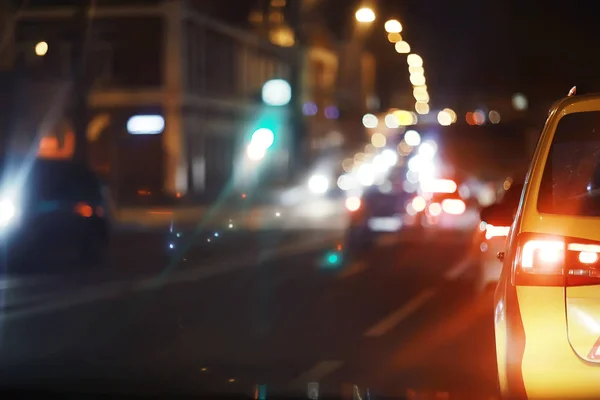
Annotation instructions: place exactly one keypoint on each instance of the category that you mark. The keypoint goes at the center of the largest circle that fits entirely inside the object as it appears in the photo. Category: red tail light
(556, 261)
(84, 209)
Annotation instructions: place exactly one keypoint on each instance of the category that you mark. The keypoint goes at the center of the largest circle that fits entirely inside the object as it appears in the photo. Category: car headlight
(7, 212)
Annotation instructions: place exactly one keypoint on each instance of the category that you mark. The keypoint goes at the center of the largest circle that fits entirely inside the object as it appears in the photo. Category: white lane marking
(318, 372)
(458, 270)
(389, 322)
(111, 290)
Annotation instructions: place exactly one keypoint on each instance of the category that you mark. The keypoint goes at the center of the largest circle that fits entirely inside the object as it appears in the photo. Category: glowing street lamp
(393, 26)
(41, 48)
(365, 15)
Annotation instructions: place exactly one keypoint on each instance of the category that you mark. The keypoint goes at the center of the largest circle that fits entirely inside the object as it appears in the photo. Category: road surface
(254, 308)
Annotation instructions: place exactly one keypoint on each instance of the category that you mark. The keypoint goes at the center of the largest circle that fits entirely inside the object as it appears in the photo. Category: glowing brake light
(556, 261)
(454, 206)
(353, 203)
(84, 209)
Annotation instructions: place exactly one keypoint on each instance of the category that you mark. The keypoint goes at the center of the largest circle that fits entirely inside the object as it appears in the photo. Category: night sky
(540, 48)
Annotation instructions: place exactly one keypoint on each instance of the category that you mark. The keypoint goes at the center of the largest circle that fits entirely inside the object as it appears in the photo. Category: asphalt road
(254, 308)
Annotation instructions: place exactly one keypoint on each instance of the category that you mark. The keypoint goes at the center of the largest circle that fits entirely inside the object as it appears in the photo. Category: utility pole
(79, 106)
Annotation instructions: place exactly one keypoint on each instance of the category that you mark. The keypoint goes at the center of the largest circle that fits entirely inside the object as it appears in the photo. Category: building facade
(192, 82)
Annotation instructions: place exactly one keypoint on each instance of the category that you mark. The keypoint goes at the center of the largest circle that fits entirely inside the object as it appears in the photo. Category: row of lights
(393, 29)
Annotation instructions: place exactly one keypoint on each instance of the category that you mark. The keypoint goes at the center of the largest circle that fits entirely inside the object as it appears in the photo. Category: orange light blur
(339, 247)
(50, 148)
(142, 192)
(84, 209)
(470, 118)
(243, 195)
(353, 203)
(454, 206)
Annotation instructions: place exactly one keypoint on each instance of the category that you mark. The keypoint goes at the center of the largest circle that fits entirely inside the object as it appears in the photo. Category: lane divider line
(389, 322)
(458, 269)
(317, 373)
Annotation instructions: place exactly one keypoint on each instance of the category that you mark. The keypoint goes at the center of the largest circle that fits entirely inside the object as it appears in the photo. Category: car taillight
(353, 203)
(492, 231)
(84, 209)
(556, 261)
(454, 206)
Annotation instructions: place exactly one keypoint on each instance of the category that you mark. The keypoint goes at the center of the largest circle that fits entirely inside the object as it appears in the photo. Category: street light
(365, 15)
(41, 48)
(414, 60)
(402, 47)
(393, 26)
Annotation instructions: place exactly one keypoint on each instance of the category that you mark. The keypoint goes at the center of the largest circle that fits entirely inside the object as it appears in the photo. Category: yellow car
(547, 302)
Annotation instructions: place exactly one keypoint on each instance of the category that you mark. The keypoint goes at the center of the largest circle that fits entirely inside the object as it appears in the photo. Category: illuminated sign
(146, 125)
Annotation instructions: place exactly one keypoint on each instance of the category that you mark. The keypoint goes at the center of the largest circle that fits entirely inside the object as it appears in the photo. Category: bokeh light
(412, 138)
(494, 117)
(378, 140)
(402, 47)
(520, 102)
(394, 37)
(444, 118)
(41, 48)
(422, 107)
(393, 26)
(365, 15)
(370, 121)
(414, 60)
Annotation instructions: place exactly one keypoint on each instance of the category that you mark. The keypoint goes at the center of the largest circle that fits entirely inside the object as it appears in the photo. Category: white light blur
(391, 121)
(435, 209)
(414, 60)
(390, 157)
(366, 175)
(345, 182)
(427, 150)
(353, 203)
(41, 48)
(255, 153)
(370, 121)
(412, 138)
(409, 187)
(276, 92)
(318, 184)
(417, 80)
(402, 47)
(7, 211)
(520, 102)
(386, 187)
(146, 125)
(393, 26)
(263, 137)
(412, 177)
(380, 164)
(444, 118)
(417, 163)
(365, 15)
(418, 204)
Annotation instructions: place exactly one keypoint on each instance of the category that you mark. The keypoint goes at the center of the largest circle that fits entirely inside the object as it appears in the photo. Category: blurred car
(547, 303)
(440, 206)
(489, 239)
(53, 205)
(381, 209)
